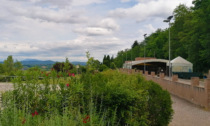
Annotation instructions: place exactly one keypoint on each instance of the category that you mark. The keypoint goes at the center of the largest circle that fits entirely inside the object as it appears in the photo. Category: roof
(180, 61)
(149, 60)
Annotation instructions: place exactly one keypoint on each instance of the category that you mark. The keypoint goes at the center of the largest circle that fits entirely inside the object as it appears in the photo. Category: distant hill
(34, 62)
(46, 62)
(79, 63)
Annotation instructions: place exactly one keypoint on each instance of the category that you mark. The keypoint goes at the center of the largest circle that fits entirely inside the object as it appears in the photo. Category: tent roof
(180, 60)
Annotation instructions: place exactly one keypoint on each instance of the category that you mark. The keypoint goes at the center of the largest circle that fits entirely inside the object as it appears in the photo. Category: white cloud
(93, 31)
(146, 9)
(62, 3)
(55, 29)
(124, 1)
(150, 27)
(86, 2)
(105, 26)
(109, 24)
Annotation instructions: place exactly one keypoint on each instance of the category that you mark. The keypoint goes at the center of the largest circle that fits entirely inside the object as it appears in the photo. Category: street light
(168, 21)
(144, 52)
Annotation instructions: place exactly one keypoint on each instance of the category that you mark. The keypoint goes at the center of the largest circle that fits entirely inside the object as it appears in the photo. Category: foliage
(109, 62)
(189, 38)
(160, 109)
(135, 44)
(107, 98)
(9, 66)
(63, 66)
(128, 96)
(1, 68)
(92, 64)
(18, 65)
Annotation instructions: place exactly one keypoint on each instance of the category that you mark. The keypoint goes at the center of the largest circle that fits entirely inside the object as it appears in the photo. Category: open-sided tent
(179, 64)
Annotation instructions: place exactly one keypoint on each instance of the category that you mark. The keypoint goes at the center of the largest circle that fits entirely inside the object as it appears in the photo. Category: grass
(100, 99)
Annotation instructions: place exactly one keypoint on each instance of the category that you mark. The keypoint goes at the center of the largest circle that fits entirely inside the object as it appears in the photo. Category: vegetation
(9, 66)
(63, 67)
(190, 38)
(107, 98)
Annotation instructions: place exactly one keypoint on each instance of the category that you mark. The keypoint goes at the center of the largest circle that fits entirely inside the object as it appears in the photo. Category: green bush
(160, 109)
(108, 98)
(136, 101)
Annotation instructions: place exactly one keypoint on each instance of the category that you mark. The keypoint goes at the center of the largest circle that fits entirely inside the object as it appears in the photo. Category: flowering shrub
(108, 98)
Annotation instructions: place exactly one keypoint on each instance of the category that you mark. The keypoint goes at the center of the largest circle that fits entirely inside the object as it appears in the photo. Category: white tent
(179, 64)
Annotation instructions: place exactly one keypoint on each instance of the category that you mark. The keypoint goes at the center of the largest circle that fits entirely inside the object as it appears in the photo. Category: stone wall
(193, 91)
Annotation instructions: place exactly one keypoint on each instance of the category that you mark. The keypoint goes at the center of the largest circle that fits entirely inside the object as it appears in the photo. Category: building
(159, 65)
(179, 64)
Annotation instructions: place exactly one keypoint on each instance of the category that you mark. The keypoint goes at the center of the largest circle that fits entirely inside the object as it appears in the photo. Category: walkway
(188, 114)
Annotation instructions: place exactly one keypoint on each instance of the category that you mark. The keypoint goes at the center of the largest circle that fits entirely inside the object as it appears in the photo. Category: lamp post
(144, 52)
(168, 21)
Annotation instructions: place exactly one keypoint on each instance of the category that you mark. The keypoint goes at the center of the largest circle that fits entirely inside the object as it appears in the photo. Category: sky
(59, 29)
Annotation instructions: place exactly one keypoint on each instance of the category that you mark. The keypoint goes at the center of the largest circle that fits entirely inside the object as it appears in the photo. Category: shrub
(160, 109)
(135, 100)
(60, 67)
(108, 98)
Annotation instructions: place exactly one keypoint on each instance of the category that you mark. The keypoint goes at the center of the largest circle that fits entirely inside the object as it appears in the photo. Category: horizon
(42, 60)
(53, 30)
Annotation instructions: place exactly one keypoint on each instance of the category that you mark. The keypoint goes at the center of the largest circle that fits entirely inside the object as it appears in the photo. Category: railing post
(146, 72)
(141, 71)
(175, 77)
(194, 81)
(162, 75)
(208, 76)
(152, 74)
(207, 92)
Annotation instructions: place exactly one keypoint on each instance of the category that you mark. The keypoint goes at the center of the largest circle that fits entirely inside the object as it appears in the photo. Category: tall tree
(9, 65)
(190, 38)
(135, 44)
(108, 61)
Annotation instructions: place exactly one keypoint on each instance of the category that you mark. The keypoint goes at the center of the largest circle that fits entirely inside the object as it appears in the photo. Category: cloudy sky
(55, 29)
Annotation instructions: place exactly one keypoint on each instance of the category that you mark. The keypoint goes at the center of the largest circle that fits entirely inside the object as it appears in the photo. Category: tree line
(190, 38)
(9, 66)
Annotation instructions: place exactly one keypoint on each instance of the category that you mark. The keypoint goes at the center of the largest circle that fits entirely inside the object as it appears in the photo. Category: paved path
(186, 113)
(6, 86)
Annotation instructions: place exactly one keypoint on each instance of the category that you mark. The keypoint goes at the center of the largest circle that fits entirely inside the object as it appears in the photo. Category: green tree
(135, 44)
(9, 65)
(108, 61)
(201, 35)
(92, 64)
(60, 67)
(18, 65)
(190, 38)
(1, 68)
(119, 59)
(67, 65)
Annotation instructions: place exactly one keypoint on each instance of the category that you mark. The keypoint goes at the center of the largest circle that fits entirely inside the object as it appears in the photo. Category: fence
(194, 90)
